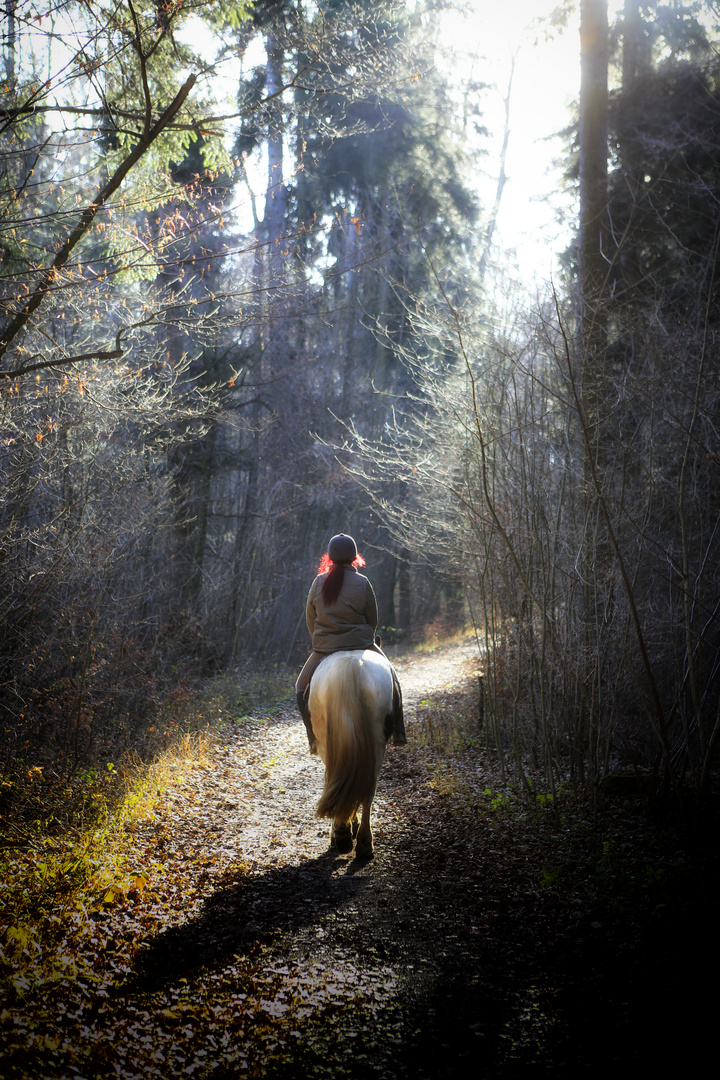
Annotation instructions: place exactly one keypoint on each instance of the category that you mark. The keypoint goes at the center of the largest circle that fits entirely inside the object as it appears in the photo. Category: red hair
(326, 563)
(333, 582)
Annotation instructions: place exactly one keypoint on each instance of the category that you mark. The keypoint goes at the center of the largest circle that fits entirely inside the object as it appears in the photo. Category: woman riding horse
(341, 613)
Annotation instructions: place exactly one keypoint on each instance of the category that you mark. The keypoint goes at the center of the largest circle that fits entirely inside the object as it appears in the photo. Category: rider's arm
(371, 608)
(310, 610)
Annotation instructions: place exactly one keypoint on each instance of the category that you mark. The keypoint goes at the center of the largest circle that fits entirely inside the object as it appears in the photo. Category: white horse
(351, 701)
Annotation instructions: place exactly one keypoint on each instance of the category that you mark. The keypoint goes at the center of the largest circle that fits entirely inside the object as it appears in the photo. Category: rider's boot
(399, 736)
(305, 713)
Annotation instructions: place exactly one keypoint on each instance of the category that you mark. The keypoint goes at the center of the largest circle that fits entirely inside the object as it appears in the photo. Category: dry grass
(47, 880)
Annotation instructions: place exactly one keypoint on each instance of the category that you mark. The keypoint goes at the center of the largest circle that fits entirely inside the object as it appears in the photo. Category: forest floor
(490, 937)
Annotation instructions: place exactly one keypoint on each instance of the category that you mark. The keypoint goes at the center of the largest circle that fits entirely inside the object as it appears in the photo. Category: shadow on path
(245, 911)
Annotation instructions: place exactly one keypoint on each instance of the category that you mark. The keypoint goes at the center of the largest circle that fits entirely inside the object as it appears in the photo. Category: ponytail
(333, 583)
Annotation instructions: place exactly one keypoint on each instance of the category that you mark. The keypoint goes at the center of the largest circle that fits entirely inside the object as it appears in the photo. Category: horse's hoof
(342, 840)
(365, 848)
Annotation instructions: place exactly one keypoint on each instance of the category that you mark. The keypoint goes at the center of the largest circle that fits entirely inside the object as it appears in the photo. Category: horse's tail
(350, 750)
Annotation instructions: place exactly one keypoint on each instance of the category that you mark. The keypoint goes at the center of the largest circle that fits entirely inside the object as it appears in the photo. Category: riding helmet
(342, 548)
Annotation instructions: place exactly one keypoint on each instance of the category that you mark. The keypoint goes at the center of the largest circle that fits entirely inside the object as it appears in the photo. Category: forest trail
(274, 783)
(243, 946)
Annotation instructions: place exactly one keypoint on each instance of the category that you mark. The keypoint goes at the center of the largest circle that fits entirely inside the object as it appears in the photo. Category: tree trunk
(404, 591)
(592, 271)
(276, 197)
(275, 210)
(635, 60)
(10, 38)
(593, 150)
(502, 179)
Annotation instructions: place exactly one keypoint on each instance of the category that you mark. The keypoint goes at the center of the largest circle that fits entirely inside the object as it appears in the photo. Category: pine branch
(88, 216)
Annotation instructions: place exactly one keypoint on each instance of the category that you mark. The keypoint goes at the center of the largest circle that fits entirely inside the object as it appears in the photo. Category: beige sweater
(350, 622)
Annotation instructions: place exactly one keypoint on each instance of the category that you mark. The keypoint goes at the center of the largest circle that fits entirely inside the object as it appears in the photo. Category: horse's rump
(350, 695)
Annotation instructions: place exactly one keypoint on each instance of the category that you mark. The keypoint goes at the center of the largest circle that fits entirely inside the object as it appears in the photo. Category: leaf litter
(229, 941)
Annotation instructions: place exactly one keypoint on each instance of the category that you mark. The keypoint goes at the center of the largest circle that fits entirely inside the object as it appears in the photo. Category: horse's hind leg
(365, 849)
(341, 837)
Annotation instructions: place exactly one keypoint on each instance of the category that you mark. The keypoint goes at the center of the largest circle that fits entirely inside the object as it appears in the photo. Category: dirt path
(249, 949)
(270, 785)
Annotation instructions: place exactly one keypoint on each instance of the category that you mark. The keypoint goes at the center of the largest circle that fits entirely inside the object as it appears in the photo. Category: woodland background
(197, 388)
